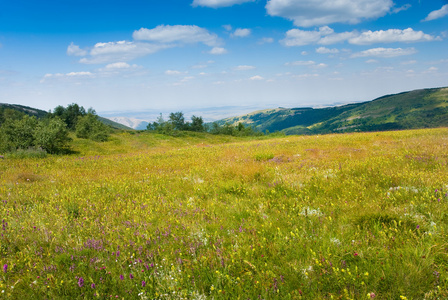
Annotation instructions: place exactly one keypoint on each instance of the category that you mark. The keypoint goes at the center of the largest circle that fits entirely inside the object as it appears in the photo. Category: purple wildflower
(418, 226)
(81, 282)
(93, 286)
(121, 277)
(143, 283)
(5, 268)
(131, 276)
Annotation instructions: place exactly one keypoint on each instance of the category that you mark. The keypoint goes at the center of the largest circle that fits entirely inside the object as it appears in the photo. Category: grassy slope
(202, 216)
(416, 109)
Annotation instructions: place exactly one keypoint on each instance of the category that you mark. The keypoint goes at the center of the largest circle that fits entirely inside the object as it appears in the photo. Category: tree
(197, 124)
(70, 115)
(178, 120)
(19, 134)
(89, 127)
(52, 135)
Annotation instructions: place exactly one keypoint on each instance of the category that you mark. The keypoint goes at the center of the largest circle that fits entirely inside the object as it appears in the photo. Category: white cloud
(298, 37)
(437, 14)
(244, 68)
(256, 77)
(174, 72)
(218, 3)
(74, 50)
(186, 34)
(390, 36)
(308, 13)
(324, 50)
(217, 51)
(337, 38)
(242, 32)
(60, 76)
(120, 51)
(118, 65)
(371, 61)
(326, 36)
(301, 63)
(385, 52)
(402, 8)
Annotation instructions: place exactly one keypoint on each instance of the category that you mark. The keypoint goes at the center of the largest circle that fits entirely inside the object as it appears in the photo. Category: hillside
(38, 113)
(423, 108)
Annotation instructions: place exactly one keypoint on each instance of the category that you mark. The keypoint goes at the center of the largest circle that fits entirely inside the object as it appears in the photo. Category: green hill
(415, 109)
(38, 113)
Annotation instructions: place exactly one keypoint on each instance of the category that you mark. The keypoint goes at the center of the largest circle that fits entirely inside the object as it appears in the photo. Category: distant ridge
(422, 108)
(130, 122)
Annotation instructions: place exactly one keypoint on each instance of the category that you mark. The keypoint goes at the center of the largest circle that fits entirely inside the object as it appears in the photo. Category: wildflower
(131, 276)
(418, 226)
(5, 268)
(371, 295)
(143, 283)
(121, 277)
(81, 282)
(355, 254)
(92, 286)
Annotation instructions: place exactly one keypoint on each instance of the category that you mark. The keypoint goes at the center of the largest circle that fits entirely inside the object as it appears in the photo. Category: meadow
(147, 216)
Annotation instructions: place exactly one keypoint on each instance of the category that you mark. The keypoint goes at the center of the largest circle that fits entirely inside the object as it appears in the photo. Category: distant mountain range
(408, 110)
(130, 122)
(422, 108)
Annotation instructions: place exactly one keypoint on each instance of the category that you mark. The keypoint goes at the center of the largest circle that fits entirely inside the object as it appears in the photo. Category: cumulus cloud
(306, 13)
(120, 51)
(242, 32)
(301, 63)
(74, 50)
(389, 36)
(256, 77)
(437, 14)
(217, 51)
(67, 76)
(298, 37)
(326, 36)
(186, 34)
(174, 72)
(385, 52)
(324, 50)
(218, 3)
(244, 68)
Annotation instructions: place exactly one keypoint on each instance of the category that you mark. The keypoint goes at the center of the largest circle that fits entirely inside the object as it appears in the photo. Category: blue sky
(170, 55)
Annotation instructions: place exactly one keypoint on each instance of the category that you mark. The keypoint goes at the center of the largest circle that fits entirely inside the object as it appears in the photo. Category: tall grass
(144, 216)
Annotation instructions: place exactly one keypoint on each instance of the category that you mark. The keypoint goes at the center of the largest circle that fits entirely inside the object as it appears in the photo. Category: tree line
(176, 123)
(19, 131)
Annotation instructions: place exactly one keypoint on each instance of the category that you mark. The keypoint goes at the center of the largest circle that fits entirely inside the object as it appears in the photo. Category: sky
(135, 56)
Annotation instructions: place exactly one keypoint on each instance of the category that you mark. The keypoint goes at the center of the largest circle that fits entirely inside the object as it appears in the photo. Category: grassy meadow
(147, 216)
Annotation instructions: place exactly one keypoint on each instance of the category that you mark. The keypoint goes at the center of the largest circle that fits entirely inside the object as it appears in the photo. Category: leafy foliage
(89, 127)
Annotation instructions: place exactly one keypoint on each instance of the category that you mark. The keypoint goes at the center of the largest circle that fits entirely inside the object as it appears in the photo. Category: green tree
(52, 135)
(197, 124)
(178, 120)
(89, 127)
(19, 134)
